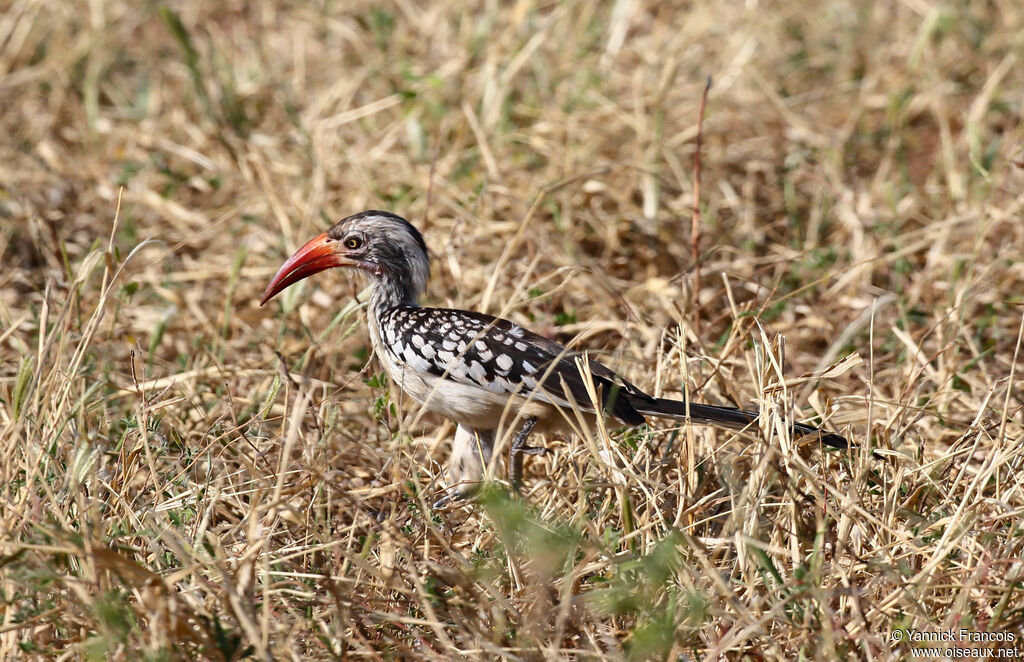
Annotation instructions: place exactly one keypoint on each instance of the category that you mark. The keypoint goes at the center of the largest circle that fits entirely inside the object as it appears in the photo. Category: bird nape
(479, 371)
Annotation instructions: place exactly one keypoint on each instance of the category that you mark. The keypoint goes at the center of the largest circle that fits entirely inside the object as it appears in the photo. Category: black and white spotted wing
(501, 357)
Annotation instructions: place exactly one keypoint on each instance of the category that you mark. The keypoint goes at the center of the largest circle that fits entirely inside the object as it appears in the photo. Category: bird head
(384, 246)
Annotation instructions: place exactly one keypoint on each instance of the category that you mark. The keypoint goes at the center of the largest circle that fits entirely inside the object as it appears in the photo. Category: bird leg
(519, 448)
(471, 452)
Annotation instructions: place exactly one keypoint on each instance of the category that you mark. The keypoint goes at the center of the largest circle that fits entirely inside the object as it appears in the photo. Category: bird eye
(353, 243)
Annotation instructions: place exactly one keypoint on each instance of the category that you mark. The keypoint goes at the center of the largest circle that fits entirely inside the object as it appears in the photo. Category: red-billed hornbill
(479, 371)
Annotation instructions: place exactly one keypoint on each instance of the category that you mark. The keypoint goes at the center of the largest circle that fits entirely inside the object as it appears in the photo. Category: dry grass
(166, 492)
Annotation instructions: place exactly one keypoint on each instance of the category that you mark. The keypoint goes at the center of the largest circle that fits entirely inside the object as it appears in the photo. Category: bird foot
(456, 494)
(446, 498)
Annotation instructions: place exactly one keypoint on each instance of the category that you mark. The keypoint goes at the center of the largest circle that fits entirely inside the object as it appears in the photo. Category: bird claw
(456, 494)
(447, 498)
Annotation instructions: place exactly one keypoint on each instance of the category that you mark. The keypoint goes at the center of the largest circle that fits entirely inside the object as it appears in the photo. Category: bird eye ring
(353, 243)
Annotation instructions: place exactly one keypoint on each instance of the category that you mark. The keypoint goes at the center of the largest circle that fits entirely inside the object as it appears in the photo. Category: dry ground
(168, 492)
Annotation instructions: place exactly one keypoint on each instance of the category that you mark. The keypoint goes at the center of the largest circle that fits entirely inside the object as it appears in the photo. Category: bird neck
(398, 280)
(390, 291)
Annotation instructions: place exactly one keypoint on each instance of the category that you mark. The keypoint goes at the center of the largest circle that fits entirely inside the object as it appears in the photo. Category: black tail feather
(727, 417)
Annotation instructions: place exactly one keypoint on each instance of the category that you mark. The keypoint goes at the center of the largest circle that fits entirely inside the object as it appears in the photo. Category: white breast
(462, 403)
